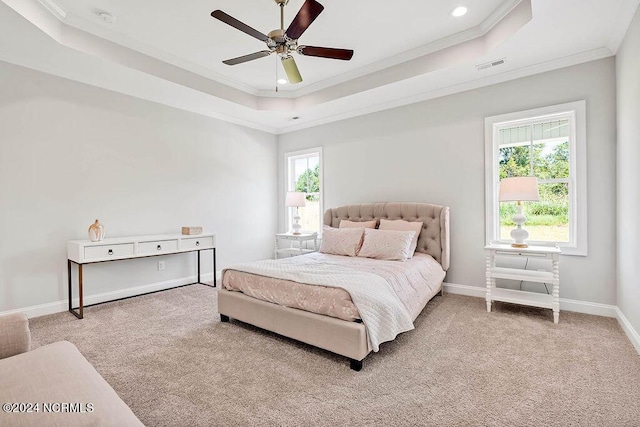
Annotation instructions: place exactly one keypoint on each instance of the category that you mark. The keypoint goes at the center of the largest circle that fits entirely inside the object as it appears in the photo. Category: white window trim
(287, 177)
(577, 165)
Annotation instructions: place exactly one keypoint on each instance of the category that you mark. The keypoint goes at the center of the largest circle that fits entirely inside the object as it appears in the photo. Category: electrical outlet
(160, 265)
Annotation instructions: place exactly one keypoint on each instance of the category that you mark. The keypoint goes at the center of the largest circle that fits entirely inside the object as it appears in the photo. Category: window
(550, 144)
(304, 173)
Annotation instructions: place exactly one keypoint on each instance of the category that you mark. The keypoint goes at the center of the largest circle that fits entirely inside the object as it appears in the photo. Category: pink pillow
(402, 225)
(341, 241)
(357, 224)
(386, 244)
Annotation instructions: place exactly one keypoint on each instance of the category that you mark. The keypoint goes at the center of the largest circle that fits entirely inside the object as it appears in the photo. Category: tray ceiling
(171, 52)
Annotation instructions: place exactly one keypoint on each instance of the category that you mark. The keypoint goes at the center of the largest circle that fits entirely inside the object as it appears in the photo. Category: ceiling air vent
(494, 63)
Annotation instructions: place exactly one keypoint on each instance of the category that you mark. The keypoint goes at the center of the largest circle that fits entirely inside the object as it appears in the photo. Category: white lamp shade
(295, 199)
(519, 188)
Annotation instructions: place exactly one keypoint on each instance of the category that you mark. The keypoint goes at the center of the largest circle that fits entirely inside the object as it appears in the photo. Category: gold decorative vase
(96, 232)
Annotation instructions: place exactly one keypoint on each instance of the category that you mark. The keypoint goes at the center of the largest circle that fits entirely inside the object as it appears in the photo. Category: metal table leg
(79, 314)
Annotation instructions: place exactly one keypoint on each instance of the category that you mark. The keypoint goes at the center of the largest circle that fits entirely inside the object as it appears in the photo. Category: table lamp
(519, 189)
(296, 199)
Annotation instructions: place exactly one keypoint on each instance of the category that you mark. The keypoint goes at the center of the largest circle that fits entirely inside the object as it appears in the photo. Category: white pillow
(386, 244)
(402, 225)
(341, 241)
(345, 223)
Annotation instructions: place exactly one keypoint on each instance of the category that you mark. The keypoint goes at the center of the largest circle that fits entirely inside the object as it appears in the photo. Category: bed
(287, 296)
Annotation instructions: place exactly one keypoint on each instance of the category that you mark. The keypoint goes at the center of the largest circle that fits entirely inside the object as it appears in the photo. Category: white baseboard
(597, 309)
(628, 329)
(62, 306)
(470, 291)
(585, 307)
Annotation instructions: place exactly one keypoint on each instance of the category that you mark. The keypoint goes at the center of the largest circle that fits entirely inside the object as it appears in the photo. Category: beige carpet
(173, 362)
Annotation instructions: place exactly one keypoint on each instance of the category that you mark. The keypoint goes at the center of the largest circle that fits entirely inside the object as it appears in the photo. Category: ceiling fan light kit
(291, 69)
(284, 43)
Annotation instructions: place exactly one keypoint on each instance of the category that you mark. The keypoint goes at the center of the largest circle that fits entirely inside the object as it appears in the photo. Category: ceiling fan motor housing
(280, 43)
(277, 36)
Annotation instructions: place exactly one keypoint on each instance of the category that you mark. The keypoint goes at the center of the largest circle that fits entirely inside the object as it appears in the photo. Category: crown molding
(53, 7)
(78, 23)
(591, 55)
(494, 18)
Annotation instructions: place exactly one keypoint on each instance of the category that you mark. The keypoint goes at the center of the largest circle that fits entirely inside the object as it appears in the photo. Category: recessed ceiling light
(106, 17)
(459, 11)
(282, 81)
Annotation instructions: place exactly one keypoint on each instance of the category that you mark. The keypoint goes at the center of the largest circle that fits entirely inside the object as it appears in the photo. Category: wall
(71, 153)
(628, 183)
(434, 152)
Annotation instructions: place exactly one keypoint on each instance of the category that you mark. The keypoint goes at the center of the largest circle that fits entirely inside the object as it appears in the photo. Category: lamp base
(296, 226)
(519, 234)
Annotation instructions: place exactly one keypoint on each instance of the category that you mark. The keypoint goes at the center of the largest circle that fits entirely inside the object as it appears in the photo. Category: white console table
(81, 252)
(534, 299)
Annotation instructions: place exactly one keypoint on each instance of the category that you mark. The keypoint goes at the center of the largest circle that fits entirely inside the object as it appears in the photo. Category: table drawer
(157, 247)
(108, 251)
(524, 254)
(197, 243)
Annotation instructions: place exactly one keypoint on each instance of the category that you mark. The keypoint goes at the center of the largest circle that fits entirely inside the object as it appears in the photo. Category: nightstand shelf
(533, 299)
(295, 239)
(519, 274)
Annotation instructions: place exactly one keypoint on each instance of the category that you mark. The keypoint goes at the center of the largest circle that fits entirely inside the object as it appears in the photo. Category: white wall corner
(625, 15)
(628, 329)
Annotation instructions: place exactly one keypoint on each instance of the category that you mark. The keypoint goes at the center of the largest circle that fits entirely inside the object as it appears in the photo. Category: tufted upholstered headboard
(434, 237)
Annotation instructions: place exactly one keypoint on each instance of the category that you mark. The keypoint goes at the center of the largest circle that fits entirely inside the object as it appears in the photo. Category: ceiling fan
(285, 42)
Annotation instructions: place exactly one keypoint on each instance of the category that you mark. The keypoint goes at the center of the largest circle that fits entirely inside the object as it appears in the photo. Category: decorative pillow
(387, 244)
(402, 225)
(341, 241)
(344, 223)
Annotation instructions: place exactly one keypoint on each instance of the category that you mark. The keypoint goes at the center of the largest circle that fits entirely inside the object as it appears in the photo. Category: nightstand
(546, 253)
(295, 244)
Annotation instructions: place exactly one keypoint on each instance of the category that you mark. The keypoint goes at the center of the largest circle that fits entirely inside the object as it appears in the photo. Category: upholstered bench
(67, 390)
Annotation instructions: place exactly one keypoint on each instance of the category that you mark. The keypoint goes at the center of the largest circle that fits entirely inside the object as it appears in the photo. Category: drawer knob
(197, 243)
(110, 252)
(159, 247)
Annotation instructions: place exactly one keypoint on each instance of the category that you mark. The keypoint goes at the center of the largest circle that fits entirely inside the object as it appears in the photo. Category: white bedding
(387, 294)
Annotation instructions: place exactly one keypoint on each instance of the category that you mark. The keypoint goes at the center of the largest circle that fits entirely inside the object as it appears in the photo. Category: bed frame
(343, 337)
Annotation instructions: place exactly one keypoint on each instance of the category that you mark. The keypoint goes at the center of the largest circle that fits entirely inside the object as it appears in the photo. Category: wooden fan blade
(306, 15)
(290, 67)
(326, 52)
(247, 58)
(230, 20)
